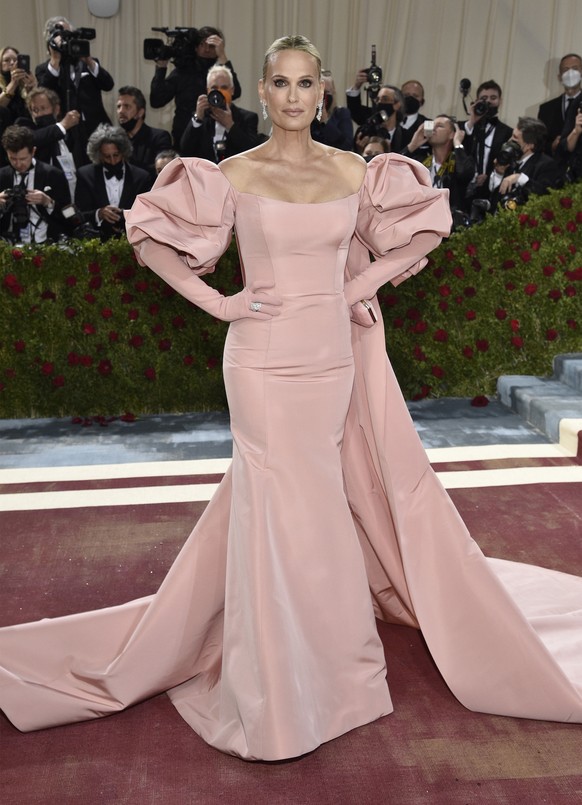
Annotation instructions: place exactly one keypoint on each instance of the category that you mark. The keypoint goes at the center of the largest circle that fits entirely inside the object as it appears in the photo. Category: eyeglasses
(9, 59)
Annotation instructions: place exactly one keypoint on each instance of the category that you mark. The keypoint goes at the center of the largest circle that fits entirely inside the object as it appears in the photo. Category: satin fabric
(263, 631)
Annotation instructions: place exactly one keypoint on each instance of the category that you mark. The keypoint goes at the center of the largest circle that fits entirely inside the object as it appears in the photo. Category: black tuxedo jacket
(44, 176)
(551, 113)
(197, 141)
(472, 142)
(543, 173)
(91, 193)
(47, 141)
(146, 145)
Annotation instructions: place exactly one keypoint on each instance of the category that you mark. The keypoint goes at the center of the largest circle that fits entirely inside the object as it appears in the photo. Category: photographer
(32, 194)
(77, 80)
(195, 52)
(484, 135)
(335, 127)
(146, 141)
(385, 121)
(110, 184)
(522, 167)
(219, 129)
(569, 150)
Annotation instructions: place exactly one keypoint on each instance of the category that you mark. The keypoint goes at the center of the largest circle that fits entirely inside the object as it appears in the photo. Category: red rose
(58, 381)
(17, 254)
(70, 312)
(530, 289)
(514, 324)
(525, 256)
(150, 373)
(421, 294)
(178, 322)
(500, 314)
(86, 360)
(212, 363)
(390, 299)
(418, 353)
(48, 295)
(12, 285)
(412, 313)
(471, 250)
(73, 359)
(141, 286)
(133, 314)
(105, 367)
(154, 309)
(468, 352)
(71, 281)
(106, 313)
(19, 346)
(482, 344)
(441, 335)
(536, 245)
(555, 294)
(566, 203)
(551, 334)
(114, 258)
(88, 329)
(89, 298)
(438, 272)
(470, 315)
(94, 268)
(569, 290)
(523, 218)
(113, 336)
(572, 248)
(438, 371)
(509, 286)
(509, 264)
(549, 270)
(557, 230)
(548, 215)
(572, 324)
(533, 222)
(459, 272)
(517, 341)
(37, 260)
(444, 290)
(164, 345)
(126, 298)
(188, 360)
(574, 275)
(444, 306)
(571, 226)
(157, 328)
(480, 401)
(420, 327)
(424, 392)
(136, 341)
(449, 254)
(47, 368)
(95, 283)
(397, 323)
(470, 291)
(128, 417)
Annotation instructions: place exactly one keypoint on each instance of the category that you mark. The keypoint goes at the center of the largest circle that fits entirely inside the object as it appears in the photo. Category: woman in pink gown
(263, 632)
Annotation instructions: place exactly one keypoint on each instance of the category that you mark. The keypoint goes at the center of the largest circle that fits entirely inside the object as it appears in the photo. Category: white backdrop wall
(518, 43)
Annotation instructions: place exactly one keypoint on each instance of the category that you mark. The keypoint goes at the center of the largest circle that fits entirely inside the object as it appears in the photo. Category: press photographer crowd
(68, 170)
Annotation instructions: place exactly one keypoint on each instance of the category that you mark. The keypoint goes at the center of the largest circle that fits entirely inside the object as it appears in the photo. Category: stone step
(552, 405)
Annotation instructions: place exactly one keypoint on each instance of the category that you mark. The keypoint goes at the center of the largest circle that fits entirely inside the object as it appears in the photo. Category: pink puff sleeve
(189, 210)
(400, 220)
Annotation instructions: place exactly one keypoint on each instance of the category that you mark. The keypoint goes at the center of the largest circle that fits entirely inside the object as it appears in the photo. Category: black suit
(91, 194)
(474, 145)
(543, 173)
(552, 114)
(45, 176)
(198, 141)
(82, 93)
(47, 141)
(146, 145)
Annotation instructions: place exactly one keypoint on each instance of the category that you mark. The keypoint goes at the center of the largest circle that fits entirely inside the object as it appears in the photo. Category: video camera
(182, 44)
(72, 45)
(374, 74)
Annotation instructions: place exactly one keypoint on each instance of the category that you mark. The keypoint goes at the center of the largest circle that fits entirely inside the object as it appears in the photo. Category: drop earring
(319, 110)
(264, 108)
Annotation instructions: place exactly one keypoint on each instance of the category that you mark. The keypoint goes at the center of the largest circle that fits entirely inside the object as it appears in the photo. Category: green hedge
(84, 331)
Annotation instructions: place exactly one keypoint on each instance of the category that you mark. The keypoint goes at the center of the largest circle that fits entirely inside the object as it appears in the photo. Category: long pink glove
(169, 266)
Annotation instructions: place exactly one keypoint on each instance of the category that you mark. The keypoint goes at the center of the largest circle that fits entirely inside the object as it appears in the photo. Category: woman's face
(292, 89)
(8, 60)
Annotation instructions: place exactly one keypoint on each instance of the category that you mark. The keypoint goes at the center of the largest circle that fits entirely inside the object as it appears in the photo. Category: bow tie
(114, 171)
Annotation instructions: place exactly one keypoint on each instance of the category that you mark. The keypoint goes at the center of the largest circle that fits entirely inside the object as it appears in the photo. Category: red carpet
(70, 557)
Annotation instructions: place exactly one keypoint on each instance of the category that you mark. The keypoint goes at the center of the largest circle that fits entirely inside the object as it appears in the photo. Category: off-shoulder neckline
(296, 203)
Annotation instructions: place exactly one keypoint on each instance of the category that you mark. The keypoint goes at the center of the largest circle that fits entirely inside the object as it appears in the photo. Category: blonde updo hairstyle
(295, 42)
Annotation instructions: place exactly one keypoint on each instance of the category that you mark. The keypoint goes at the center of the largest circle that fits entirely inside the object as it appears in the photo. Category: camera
(17, 204)
(182, 45)
(216, 99)
(374, 74)
(23, 62)
(509, 153)
(482, 108)
(71, 44)
(373, 125)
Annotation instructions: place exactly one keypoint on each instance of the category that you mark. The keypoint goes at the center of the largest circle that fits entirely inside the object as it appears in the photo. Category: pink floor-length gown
(263, 631)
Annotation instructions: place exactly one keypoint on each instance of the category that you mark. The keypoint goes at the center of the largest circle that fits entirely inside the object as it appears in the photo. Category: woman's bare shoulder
(351, 166)
(239, 169)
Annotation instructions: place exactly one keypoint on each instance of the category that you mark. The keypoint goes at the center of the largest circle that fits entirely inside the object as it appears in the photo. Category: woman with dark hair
(263, 630)
(15, 84)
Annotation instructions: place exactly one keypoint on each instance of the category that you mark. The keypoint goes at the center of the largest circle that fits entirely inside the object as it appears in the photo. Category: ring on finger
(255, 306)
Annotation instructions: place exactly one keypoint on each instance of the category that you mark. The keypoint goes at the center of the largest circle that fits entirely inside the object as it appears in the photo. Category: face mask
(45, 120)
(411, 105)
(386, 107)
(129, 125)
(571, 78)
(327, 101)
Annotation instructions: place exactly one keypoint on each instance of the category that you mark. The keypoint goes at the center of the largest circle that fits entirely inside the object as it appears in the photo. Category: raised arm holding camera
(193, 51)
(77, 78)
(16, 81)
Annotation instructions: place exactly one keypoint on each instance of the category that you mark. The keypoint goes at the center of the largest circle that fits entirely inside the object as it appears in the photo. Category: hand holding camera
(214, 105)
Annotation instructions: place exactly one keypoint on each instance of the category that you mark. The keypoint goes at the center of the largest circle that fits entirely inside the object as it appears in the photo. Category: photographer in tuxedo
(110, 184)
(32, 193)
(219, 129)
